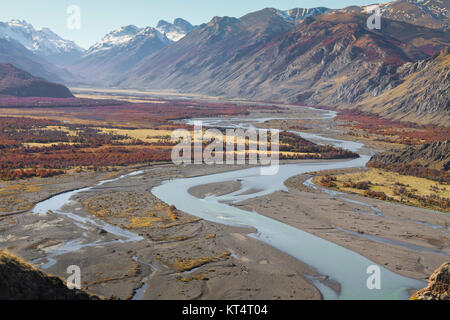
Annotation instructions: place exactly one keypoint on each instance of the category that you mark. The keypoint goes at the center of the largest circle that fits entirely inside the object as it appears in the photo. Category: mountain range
(122, 49)
(315, 56)
(42, 42)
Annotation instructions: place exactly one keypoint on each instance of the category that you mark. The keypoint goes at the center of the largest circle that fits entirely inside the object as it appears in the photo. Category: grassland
(391, 186)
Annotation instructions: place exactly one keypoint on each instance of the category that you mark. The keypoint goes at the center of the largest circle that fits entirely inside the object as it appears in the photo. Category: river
(342, 265)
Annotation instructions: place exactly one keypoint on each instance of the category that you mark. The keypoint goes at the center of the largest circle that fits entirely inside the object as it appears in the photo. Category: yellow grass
(199, 277)
(189, 264)
(387, 182)
(142, 222)
(72, 133)
(40, 145)
(146, 135)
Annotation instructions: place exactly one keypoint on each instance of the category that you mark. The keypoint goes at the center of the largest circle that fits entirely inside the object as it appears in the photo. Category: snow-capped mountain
(42, 42)
(121, 49)
(175, 31)
(11, 51)
(118, 51)
(433, 14)
(297, 14)
(125, 36)
(166, 32)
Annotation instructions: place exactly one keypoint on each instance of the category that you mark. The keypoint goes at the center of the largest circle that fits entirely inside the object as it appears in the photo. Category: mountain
(42, 42)
(427, 13)
(13, 52)
(122, 49)
(329, 59)
(434, 155)
(16, 82)
(118, 52)
(299, 14)
(175, 31)
(420, 92)
(204, 57)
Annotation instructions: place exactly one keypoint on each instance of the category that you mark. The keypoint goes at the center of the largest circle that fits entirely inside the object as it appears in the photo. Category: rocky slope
(16, 82)
(13, 52)
(329, 59)
(428, 13)
(420, 93)
(432, 155)
(430, 161)
(22, 281)
(438, 285)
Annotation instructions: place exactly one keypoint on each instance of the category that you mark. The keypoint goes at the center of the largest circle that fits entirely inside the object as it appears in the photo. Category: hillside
(422, 94)
(316, 56)
(329, 59)
(13, 52)
(430, 160)
(433, 14)
(18, 83)
(22, 281)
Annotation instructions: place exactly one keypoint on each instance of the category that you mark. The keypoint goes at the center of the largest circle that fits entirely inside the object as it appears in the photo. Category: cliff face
(419, 92)
(431, 161)
(16, 82)
(438, 285)
(433, 155)
(22, 281)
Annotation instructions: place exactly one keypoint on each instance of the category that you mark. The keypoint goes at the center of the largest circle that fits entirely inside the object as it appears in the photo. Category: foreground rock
(438, 286)
(22, 281)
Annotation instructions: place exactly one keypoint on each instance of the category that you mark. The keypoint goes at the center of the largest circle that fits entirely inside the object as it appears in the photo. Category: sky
(99, 17)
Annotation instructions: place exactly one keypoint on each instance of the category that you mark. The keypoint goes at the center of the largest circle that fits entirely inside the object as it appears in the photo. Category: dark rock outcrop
(434, 155)
(416, 92)
(22, 281)
(438, 285)
(430, 160)
(18, 83)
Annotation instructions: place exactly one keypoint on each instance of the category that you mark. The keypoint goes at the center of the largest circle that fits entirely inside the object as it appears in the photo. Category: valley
(270, 154)
(163, 245)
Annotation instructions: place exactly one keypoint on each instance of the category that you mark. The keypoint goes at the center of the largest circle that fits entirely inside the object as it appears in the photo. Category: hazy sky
(99, 17)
